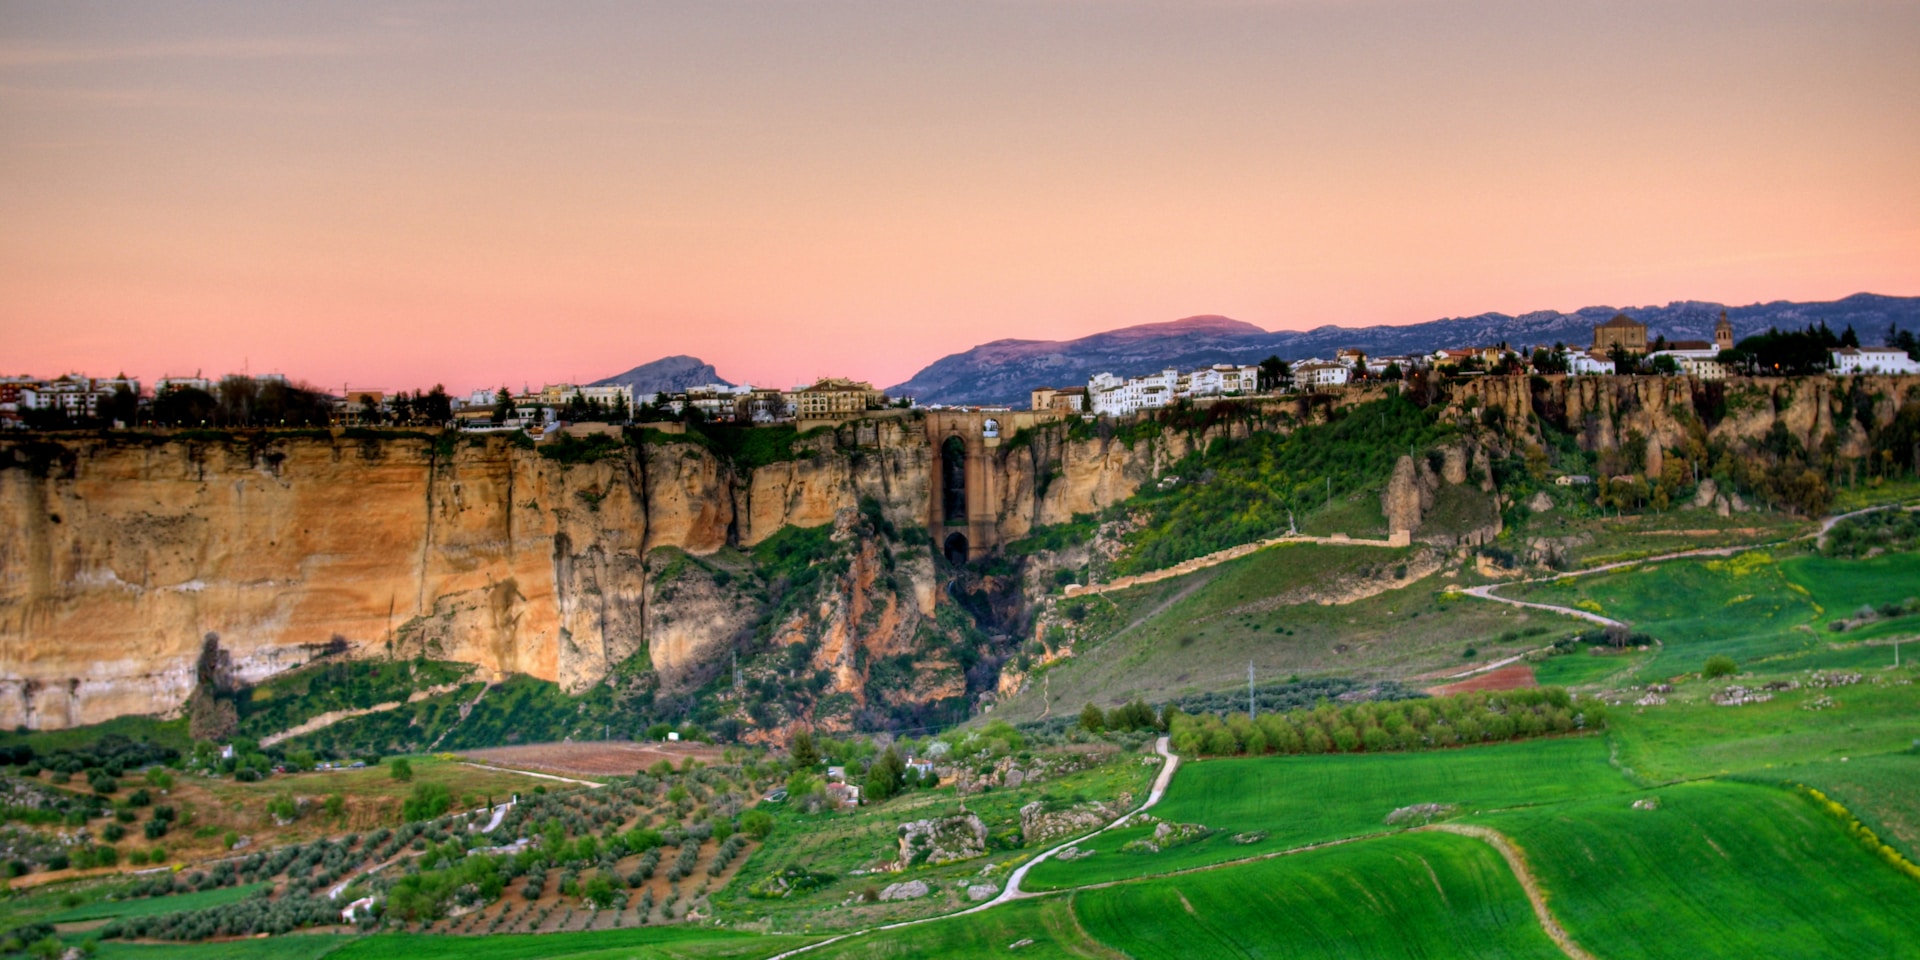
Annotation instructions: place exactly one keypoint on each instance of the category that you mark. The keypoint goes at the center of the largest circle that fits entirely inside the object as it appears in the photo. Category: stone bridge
(962, 512)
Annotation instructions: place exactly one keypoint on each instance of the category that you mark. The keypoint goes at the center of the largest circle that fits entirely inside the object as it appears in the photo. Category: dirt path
(1517, 862)
(531, 773)
(1218, 557)
(332, 717)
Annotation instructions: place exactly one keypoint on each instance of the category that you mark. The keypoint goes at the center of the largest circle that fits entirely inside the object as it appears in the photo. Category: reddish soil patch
(606, 758)
(1506, 678)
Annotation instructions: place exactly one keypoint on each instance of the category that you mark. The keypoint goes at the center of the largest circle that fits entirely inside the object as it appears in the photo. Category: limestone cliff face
(1604, 412)
(119, 555)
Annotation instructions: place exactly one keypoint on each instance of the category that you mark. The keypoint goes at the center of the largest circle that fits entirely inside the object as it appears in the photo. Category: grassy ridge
(1309, 799)
(1719, 870)
(1196, 633)
(1414, 895)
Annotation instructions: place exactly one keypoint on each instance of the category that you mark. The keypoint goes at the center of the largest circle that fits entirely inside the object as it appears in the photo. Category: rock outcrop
(942, 840)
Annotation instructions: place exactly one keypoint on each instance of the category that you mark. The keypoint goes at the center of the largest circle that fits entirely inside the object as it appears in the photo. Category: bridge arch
(956, 549)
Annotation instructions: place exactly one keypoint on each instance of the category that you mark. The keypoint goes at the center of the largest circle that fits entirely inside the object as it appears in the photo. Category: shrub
(399, 769)
(1719, 665)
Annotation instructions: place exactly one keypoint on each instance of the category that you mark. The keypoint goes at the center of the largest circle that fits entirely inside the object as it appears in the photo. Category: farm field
(1883, 791)
(1765, 610)
(1301, 800)
(1052, 925)
(605, 758)
(144, 906)
(1411, 895)
(1690, 737)
(1718, 870)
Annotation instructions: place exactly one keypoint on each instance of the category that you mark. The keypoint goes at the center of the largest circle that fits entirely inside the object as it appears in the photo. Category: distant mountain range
(665, 375)
(1002, 372)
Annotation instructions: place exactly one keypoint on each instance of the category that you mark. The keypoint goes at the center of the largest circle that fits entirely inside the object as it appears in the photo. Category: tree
(1550, 361)
(801, 751)
(887, 775)
(1392, 372)
(1848, 338)
(429, 800)
(757, 823)
(399, 769)
(1622, 359)
(1092, 720)
(502, 406)
(1273, 373)
(1664, 364)
(1720, 665)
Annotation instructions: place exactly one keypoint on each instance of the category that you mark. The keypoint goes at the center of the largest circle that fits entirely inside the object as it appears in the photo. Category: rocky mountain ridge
(1005, 370)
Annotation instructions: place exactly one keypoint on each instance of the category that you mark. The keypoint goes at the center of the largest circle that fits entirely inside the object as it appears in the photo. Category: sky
(394, 195)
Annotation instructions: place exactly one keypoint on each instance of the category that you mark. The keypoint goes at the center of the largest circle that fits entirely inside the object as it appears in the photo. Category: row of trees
(1384, 726)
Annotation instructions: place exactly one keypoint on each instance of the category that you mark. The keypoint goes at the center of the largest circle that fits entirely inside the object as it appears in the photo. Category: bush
(1719, 665)
(428, 801)
(399, 769)
(155, 829)
(757, 823)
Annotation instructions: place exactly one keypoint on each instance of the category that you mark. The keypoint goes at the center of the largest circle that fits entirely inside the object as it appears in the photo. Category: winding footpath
(1169, 762)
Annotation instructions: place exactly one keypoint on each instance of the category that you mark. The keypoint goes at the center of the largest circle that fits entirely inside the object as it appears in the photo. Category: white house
(1582, 363)
(1320, 373)
(1851, 360)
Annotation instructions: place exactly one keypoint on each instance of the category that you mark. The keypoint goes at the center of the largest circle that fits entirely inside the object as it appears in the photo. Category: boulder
(1038, 824)
(942, 840)
(1540, 502)
(910, 890)
(981, 891)
(1704, 494)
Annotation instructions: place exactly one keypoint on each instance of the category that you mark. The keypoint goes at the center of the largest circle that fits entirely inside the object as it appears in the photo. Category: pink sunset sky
(400, 194)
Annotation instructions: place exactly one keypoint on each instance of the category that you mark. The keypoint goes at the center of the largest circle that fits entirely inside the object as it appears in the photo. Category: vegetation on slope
(1239, 491)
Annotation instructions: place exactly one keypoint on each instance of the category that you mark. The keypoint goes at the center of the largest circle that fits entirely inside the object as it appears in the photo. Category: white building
(1851, 360)
(1117, 397)
(77, 395)
(1320, 373)
(1583, 364)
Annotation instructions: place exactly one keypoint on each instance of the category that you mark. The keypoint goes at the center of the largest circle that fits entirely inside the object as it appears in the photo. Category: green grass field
(1051, 924)
(1765, 612)
(1883, 791)
(1411, 895)
(149, 906)
(1309, 799)
(1685, 740)
(1719, 870)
